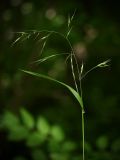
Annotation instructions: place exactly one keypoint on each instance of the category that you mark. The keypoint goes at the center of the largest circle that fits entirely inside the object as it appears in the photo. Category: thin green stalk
(89, 71)
(83, 136)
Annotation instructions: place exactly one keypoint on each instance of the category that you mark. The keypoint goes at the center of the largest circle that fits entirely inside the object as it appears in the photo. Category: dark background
(95, 37)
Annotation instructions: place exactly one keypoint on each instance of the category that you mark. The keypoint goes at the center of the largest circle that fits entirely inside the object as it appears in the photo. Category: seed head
(104, 64)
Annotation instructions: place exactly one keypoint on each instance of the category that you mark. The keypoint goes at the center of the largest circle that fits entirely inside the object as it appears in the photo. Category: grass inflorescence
(75, 68)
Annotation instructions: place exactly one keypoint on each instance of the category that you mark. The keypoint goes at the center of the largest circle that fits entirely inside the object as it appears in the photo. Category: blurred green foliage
(40, 138)
(53, 123)
(50, 141)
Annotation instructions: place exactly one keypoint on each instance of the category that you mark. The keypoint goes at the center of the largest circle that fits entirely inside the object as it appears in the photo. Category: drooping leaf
(76, 94)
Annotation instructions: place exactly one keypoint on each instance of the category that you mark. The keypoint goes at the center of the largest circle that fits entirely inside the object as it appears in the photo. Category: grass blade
(76, 94)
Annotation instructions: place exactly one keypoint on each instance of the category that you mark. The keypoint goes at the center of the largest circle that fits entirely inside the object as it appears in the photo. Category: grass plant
(75, 68)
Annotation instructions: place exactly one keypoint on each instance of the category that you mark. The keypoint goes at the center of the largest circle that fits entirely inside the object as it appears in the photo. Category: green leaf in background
(53, 146)
(68, 146)
(35, 139)
(59, 156)
(102, 142)
(18, 133)
(57, 133)
(76, 95)
(10, 120)
(37, 154)
(43, 126)
(88, 147)
(116, 145)
(27, 119)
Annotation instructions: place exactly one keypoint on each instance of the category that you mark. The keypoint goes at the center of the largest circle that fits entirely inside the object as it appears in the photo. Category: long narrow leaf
(76, 94)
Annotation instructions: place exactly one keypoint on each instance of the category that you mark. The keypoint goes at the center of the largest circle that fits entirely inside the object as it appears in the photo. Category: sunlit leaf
(27, 119)
(57, 133)
(43, 126)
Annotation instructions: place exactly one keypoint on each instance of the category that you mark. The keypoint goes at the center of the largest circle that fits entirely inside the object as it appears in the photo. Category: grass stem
(83, 136)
